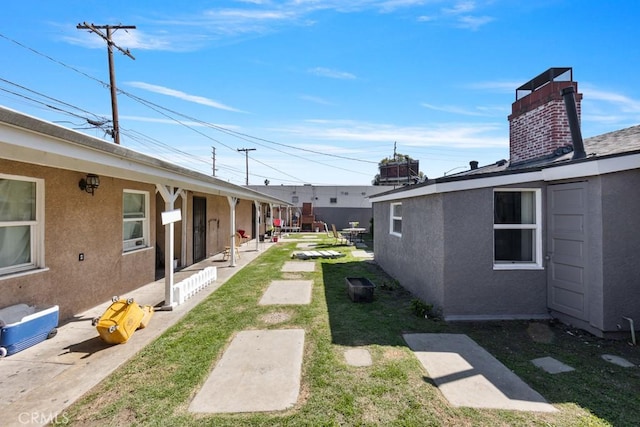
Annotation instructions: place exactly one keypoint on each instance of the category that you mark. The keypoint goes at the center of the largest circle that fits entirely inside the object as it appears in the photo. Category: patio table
(354, 233)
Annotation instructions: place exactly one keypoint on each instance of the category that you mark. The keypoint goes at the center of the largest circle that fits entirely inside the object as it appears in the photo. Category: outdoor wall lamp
(90, 184)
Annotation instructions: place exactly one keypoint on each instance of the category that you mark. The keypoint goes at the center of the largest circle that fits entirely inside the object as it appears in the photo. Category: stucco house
(552, 232)
(81, 218)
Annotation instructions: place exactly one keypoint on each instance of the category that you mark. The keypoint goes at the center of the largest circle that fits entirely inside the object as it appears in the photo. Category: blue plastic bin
(22, 326)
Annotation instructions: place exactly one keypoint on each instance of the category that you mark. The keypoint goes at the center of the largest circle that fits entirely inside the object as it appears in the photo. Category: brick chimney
(538, 124)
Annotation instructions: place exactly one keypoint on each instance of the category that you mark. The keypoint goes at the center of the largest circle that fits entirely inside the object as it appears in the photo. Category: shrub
(421, 309)
(390, 285)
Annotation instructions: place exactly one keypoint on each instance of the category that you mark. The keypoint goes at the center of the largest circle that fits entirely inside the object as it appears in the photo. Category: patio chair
(244, 236)
(227, 249)
(337, 236)
(277, 224)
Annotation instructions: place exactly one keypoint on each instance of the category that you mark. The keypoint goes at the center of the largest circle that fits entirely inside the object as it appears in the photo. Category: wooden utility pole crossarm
(112, 74)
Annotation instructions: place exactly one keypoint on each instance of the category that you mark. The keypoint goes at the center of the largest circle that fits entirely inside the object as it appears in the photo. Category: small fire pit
(360, 289)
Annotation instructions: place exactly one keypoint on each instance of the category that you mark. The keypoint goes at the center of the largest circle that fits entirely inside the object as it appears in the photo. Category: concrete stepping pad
(317, 254)
(260, 371)
(358, 357)
(468, 376)
(551, 365)
(297, 266)
(283, 292)
(617, 360)
(306, 245)
(361, 254)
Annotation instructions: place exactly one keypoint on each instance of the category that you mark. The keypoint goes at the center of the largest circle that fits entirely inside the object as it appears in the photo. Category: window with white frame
(135, 228)
(21, 224)
(396, 219)
(517, 230)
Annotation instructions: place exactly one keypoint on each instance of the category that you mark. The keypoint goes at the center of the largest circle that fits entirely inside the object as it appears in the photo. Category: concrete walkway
(468, 376)
(260, 371)
(39, 383)
(284, 292)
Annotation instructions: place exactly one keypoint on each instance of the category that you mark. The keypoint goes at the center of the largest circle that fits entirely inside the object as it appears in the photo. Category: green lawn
(156, 387)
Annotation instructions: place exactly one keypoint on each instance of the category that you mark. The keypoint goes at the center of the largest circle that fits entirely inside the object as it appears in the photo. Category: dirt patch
(541, 332)
(276, 317)
(291, 276)
(394, 353)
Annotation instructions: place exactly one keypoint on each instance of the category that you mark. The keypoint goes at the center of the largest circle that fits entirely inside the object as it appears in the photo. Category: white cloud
(453, 135)
(453, 109)
(392, 5)
(182, 95)
(460, 8)
(235, 15)
(192, 31)
(315, 99)
(622, 102)
(473, 22)
(133, 39)
(161, 121)
(496, 86)
(253, 1)
(334, 74)
(174, 122)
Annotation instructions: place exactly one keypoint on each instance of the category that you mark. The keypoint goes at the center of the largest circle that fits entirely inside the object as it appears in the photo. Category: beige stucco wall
(76, 222)
(218, 220)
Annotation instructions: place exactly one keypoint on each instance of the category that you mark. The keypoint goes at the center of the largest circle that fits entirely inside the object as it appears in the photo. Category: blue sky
(321, 89)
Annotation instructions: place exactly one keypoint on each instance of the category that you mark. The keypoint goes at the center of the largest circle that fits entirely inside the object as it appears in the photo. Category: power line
(230, 132)
(99, 122)
(219, 128)
(235, 134)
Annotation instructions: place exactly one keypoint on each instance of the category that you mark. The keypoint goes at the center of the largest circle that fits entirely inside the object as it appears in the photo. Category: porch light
(90, 184)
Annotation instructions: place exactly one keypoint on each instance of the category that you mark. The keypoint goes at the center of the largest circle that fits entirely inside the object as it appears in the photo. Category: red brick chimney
(538, 123)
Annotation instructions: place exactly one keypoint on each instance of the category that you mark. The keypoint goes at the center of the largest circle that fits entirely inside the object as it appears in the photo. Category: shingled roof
(614, 144)
(618, 142)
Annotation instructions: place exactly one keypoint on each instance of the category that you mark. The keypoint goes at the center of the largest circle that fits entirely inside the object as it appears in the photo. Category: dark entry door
(199, 228)
(567, 249)
(254, 232)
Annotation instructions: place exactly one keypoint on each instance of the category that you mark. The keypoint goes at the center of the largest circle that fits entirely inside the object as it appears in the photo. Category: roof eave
(590, 166)
(30, 140)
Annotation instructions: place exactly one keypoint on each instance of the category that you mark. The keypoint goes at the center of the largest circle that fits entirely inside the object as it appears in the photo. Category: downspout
(633, 330)
(574, 123)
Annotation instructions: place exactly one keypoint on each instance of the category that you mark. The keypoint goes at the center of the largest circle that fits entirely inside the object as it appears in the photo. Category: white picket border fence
(188, 287)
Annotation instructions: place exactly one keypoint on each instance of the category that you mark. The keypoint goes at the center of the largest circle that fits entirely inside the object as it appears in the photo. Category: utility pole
(213, 157)
(246, 154)
(115, 133)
